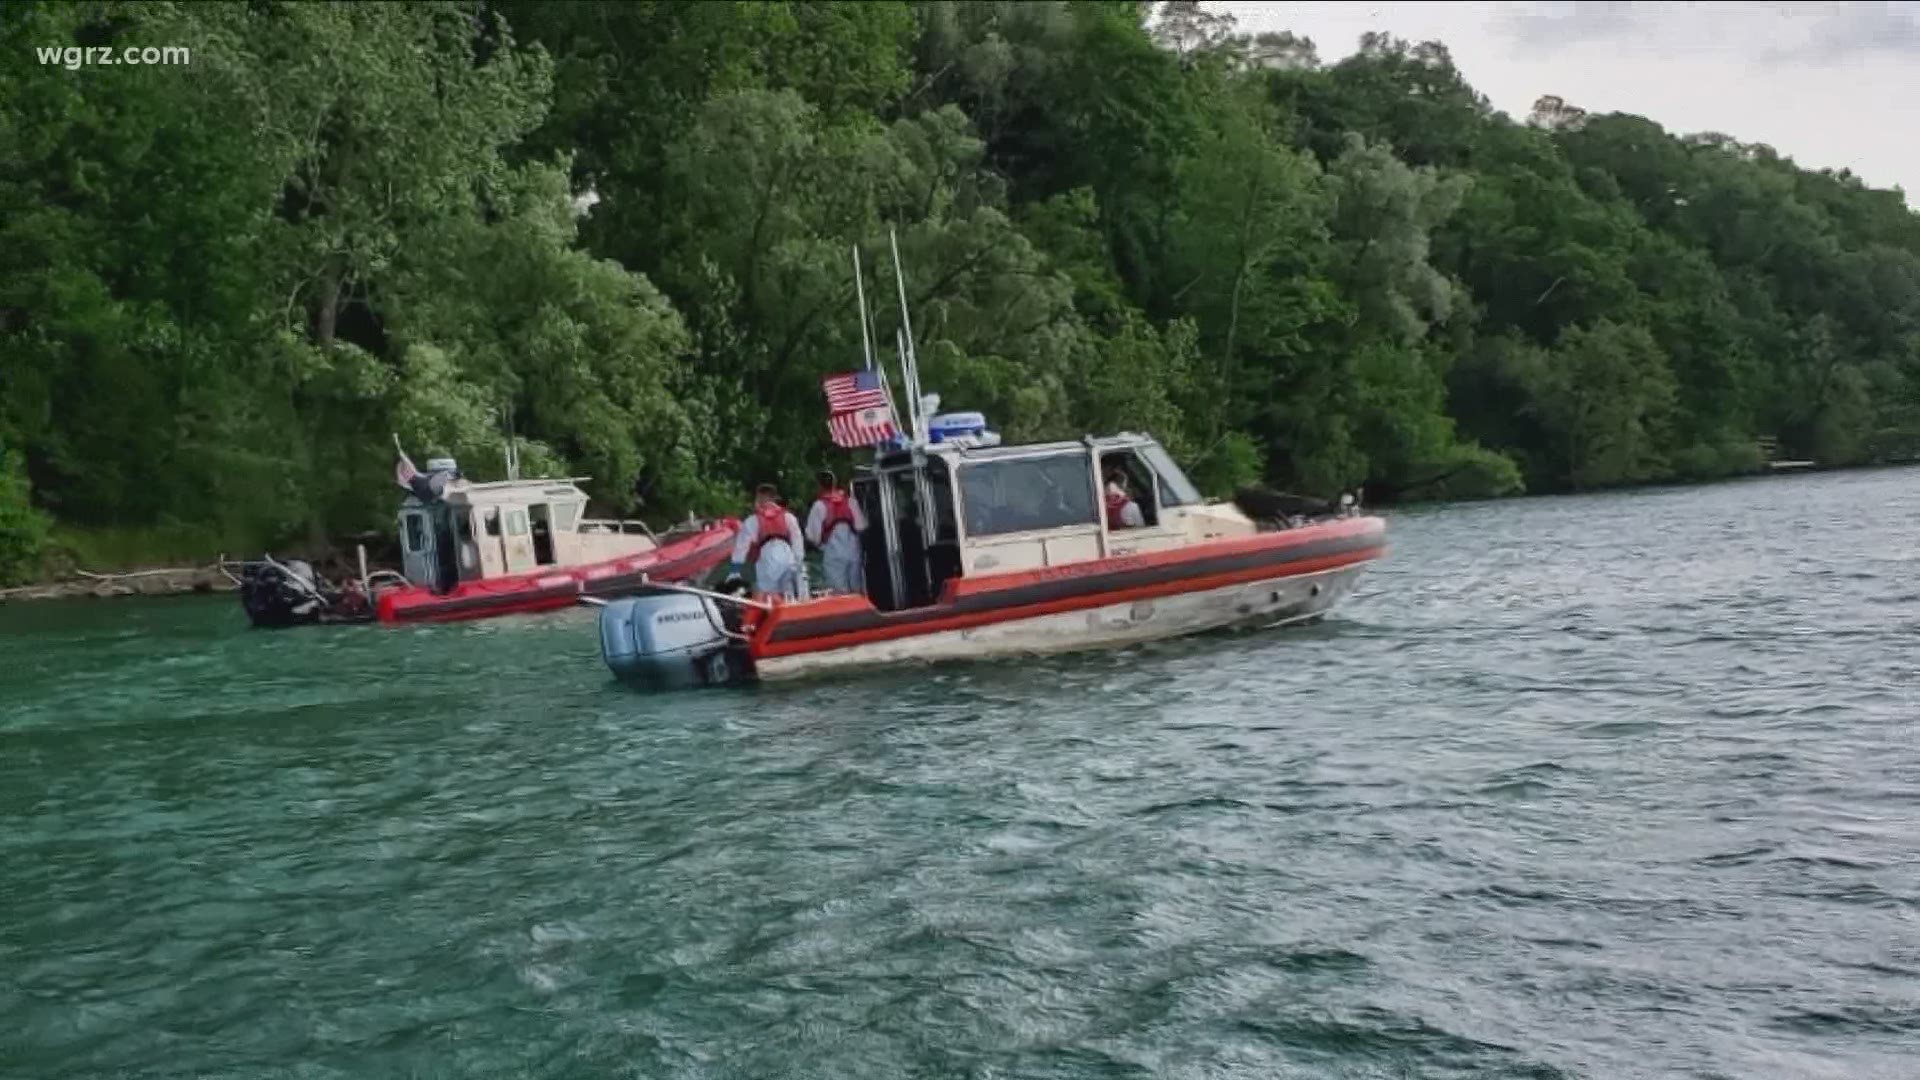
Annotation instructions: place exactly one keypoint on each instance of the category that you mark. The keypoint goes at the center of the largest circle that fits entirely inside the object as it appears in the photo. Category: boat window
(1027, 493)
(943, 553)
(940, 495)
(565, 516)
(490, 516)
(416, 533)
(916, 586)
(1139, 482)
(1175, 488)
(469, 554)
(516, 522)
(873, 544)
(542, 533)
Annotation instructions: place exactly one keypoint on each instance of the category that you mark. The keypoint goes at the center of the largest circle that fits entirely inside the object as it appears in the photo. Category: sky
(1833, 85)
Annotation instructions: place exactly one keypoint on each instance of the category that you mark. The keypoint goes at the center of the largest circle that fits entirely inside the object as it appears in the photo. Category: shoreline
(209, 579)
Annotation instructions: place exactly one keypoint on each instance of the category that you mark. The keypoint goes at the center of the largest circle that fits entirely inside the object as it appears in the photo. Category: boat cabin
(950, 509)
(478, 531)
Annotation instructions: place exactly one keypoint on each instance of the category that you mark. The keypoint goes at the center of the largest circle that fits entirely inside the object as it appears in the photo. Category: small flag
(863, 427)
(403, 472)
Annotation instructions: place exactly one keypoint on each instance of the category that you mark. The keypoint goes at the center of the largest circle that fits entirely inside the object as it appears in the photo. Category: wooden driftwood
(161, 581)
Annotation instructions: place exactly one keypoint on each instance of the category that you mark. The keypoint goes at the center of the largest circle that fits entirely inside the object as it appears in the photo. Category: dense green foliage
(23, 529)
(222, 286)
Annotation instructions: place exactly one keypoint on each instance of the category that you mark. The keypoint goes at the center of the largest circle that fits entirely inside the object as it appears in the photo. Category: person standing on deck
(1122, 511)
(770, 539)
(834, 525)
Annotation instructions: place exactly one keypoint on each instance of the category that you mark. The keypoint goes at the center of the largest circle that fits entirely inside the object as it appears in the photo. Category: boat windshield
(1024, 494)
(1175, 488)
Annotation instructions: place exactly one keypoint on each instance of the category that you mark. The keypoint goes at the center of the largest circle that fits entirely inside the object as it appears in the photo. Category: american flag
(859, 413)
(855, 390)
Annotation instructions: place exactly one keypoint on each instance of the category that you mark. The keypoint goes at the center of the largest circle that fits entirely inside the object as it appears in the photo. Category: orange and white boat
(976, 552)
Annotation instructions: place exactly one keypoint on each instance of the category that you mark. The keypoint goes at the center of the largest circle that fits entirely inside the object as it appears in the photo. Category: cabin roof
(495, 487)
(968, 454)
(550, 489)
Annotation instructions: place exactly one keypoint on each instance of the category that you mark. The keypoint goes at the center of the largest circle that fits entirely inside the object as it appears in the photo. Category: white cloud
(1829, 85)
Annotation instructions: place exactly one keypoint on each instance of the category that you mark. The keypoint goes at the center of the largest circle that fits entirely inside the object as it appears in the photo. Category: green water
(1615, 786)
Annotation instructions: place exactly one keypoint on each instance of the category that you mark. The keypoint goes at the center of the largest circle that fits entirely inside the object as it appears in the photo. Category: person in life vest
(834, 525)
(770, 539)
(1122, 511)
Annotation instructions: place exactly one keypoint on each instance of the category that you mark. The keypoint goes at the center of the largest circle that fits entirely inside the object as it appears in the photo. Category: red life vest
(773, 526)
(1116, 508)
(839, 512)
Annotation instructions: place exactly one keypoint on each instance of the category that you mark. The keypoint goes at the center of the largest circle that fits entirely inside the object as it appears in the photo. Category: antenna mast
(860, 292)
(867, 334)
(909, 361)
(513, 453)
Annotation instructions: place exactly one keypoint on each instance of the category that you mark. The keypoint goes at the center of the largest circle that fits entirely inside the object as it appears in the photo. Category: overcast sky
(1832, 85)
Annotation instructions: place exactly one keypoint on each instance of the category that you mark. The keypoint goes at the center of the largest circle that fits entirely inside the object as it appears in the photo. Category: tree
(1606, 393)
(630, 81)
(1249, 229)
(1281, 51)
(1383, 215)
(774, 196)
(1190, 30)
(1554, 113)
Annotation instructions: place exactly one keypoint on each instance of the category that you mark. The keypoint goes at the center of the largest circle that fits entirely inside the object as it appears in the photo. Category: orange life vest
(773, 526)
(839, 512)
(1116, 508)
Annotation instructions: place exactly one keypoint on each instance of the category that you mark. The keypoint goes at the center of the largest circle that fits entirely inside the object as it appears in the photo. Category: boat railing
(647, 582)
(622, 526)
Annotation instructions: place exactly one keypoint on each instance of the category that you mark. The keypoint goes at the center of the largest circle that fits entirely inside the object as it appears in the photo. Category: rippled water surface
(1613, 786)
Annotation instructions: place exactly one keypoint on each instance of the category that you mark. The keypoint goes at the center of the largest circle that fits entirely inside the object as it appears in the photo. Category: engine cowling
(669, 640)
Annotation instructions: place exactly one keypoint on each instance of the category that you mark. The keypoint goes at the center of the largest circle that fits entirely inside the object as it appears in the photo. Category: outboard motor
(281, 594)
(670, 641)
(1277, 509)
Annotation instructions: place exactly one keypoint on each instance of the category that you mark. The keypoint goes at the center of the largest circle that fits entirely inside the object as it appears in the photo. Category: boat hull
(1289, 575)
(670, 639)
(1273, 601)
(551, 590)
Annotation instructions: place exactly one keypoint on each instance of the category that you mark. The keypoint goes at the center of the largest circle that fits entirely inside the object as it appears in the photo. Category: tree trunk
(328, 312)
(1240, 277)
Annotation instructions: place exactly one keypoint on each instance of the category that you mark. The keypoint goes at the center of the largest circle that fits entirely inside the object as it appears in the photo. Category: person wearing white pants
(834, 525)
(770, 539)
